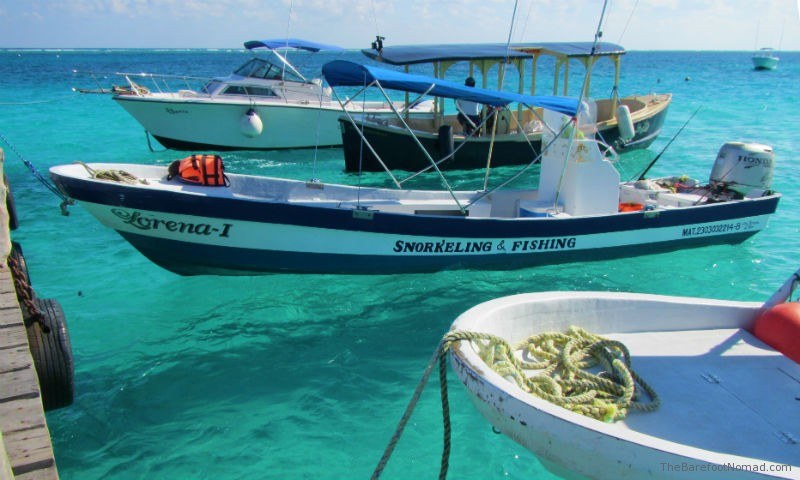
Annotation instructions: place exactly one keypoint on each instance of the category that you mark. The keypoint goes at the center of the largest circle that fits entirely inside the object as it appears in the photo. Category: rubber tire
(52, 355)
(16, 253)
(13, 220)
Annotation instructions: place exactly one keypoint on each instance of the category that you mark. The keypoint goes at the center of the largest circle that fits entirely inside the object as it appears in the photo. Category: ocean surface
(305, 376)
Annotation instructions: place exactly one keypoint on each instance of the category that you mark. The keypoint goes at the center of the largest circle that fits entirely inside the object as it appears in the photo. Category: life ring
(52, 354)
(630, 207)
(13, 220)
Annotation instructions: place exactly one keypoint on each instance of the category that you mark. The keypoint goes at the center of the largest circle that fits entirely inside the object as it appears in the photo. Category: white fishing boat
(728, 400)
(765, 59)
(262, 105)
(581, 210)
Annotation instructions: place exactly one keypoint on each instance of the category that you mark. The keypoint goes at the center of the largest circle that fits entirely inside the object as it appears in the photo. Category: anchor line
(439, 356)
(65, 200)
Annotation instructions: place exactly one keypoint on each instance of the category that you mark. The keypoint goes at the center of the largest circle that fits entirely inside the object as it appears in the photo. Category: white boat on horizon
(262, 105)
(580, 211)
(765, 59)
(727, 399)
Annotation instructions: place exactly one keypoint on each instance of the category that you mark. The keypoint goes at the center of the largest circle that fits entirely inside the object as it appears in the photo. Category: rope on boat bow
(113, 175)
(561, 364)
(563, 361)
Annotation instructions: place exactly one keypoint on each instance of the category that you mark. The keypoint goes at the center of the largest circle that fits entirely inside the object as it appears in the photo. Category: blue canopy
(345, 73)
(290, 43)
(413, 54)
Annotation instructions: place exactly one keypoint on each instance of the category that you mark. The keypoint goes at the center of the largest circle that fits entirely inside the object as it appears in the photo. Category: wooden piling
(26, 452)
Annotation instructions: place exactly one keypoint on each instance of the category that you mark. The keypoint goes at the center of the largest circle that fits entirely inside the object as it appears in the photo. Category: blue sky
(635, 24)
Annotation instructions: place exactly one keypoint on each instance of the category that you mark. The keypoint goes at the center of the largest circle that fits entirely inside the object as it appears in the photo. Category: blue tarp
(345, 73)
(413, 54)
(290, 43)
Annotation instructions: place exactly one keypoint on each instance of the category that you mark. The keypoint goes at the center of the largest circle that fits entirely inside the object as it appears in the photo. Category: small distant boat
(625, 123)
(765, 59)
(262, 105)
(581, 210)
(728, 400)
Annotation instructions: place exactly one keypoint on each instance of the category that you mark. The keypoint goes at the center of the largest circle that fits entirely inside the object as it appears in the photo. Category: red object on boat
(630, 207)
(779, 327)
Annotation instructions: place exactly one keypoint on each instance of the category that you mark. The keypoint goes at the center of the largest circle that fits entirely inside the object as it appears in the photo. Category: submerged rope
(562, 359)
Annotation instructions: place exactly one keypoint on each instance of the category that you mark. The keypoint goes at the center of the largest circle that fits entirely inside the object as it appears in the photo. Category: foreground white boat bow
(729, 403)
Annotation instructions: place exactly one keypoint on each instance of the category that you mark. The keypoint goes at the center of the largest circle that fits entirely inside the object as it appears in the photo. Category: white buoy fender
(250, 124)
(625, 123)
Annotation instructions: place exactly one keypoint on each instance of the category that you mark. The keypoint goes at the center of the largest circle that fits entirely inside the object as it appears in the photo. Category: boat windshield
(263, 69)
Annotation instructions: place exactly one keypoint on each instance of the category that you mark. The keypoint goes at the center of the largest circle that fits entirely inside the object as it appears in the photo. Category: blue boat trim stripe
(196, 259)
(392, 223)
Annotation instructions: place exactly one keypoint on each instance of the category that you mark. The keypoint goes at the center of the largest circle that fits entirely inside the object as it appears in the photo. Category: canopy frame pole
(491, 146)
(584, 94)
(291, 67)
(445, 158)
(364, 139)
(615, 92)
(421, 147)
(533, 162)
(355, 95)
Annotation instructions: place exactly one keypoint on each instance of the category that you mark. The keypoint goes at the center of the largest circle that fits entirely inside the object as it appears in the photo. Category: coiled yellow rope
(113, 175)
(557, 367)
(562, 360)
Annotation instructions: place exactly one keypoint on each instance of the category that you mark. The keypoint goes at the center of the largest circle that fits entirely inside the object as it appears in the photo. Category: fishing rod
(653, 162)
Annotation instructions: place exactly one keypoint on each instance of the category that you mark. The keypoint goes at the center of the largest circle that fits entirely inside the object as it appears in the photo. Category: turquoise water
(292, 376)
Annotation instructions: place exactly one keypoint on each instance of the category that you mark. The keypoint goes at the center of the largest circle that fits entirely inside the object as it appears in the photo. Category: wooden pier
(26, 452)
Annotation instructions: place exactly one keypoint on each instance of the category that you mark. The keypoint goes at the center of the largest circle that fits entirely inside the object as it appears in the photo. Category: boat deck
(704, 379)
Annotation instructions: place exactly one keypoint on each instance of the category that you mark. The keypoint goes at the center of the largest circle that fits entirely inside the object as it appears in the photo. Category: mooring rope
(562, 359)
(40, 102)
(65, 200)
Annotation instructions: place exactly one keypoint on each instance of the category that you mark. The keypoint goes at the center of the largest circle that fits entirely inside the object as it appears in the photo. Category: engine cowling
(744, 167)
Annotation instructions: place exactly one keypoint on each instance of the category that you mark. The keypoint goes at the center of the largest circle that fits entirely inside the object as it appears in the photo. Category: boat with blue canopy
(624, 123)
(266, 103)
(247, 225)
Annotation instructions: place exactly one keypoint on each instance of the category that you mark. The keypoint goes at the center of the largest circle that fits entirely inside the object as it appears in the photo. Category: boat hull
(203, 124)
(399, 150)
(222, 233)
(765, 63)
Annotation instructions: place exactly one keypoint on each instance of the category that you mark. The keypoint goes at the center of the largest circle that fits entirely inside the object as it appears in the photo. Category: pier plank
(25, 443)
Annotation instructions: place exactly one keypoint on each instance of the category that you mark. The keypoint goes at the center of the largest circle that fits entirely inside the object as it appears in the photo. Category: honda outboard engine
(745, 168)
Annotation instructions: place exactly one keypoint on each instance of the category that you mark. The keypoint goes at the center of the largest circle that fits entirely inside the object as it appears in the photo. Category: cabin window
(249, 91)
(264, 70)
(211, 87)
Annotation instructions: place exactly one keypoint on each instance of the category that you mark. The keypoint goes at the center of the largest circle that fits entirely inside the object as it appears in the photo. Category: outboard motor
(745, 168)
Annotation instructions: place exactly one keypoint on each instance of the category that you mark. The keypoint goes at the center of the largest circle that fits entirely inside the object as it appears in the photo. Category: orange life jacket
(200, 170)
